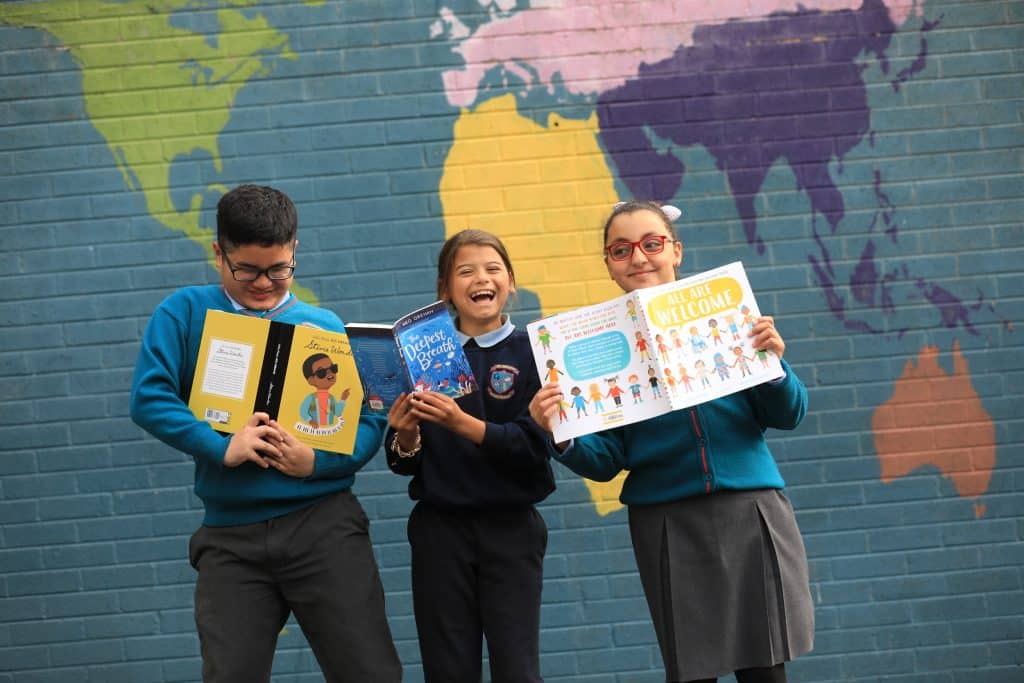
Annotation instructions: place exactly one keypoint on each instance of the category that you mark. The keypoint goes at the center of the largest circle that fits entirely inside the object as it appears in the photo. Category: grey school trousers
(316, 562)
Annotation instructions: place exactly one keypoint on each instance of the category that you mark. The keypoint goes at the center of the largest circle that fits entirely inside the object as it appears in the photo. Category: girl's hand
(404, 422)
(543, 407)
(296, 459)
(766, 337)
(443, 410)
(437, 408)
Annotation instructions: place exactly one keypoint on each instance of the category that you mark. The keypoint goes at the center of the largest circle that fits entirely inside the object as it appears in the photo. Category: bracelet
(397, 448)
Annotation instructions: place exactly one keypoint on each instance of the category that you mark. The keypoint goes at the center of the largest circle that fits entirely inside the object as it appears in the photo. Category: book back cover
(380, 364)
(228, 370)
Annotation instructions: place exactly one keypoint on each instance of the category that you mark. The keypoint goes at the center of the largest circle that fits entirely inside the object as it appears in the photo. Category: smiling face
(261, 294)
(642, 270)
(478, 286)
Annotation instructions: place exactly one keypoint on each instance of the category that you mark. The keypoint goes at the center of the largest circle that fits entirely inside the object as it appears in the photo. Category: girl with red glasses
(719, 553)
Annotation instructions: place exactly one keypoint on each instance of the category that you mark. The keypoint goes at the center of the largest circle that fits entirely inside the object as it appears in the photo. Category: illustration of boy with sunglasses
(321, 409)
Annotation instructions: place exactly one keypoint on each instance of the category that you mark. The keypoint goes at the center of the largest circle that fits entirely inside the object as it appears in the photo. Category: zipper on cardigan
(703, 455)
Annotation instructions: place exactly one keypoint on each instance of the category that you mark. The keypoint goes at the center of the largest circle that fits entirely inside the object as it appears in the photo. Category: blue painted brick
(115, 528)
(23, 560)
(155, 598)
(49, 631)
(620, 659)
(135, 672)
(160, 647)
(75, 507)
(44, 582)
(78, 555)
(869, 566)
(23, 657)
(984, 580)
(147, 550)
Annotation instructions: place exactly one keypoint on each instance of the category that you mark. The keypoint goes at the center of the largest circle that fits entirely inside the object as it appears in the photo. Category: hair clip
(671, 212)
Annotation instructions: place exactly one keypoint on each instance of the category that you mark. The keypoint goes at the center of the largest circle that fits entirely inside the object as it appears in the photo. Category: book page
(604, 363)
(700, 327)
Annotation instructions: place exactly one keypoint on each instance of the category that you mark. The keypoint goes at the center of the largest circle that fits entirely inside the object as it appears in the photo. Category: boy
(282, 531)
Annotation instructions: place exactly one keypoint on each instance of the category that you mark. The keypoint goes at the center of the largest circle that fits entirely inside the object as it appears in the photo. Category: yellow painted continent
(154, 91)
(545, 190)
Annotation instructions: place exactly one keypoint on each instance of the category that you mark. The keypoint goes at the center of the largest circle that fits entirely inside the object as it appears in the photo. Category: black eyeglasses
(248, 274)
(650, 245)
(322, 372)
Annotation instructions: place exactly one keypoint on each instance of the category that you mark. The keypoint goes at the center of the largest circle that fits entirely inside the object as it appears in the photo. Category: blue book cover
(420, 352)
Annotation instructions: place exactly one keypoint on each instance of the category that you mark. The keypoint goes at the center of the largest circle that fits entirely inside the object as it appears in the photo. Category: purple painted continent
(751, 92)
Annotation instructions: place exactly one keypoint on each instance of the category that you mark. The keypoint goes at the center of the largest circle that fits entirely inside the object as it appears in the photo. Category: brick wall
(121, 124)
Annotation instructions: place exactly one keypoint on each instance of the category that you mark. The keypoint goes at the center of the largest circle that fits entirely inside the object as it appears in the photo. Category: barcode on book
(218, 416)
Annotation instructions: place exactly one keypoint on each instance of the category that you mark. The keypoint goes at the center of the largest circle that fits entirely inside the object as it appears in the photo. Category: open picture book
(652, 351)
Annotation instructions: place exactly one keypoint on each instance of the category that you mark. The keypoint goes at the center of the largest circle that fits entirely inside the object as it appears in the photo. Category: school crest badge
(503, 380)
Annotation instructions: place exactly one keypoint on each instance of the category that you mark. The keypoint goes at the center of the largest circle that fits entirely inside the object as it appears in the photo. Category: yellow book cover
(303, 377)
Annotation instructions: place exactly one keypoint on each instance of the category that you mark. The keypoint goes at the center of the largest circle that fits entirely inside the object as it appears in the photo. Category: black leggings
(768, 674)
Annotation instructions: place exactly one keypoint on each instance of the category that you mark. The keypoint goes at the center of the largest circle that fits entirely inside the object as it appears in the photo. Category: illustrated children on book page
(706, 320)
(602, 359)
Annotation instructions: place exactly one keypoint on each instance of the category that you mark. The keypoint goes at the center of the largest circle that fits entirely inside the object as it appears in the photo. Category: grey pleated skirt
(726, 581)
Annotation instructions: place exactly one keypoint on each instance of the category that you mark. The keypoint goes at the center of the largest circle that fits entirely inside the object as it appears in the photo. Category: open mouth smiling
(482, 295)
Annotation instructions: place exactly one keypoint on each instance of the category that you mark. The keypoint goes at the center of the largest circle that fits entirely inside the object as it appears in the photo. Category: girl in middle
(479, 464)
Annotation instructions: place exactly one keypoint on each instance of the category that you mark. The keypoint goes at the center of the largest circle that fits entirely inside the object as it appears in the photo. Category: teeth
(483, 293)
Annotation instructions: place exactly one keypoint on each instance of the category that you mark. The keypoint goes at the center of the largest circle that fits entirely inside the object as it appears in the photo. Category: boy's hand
(254, 442)
(766, 337)
(402, 420)
(294, 458)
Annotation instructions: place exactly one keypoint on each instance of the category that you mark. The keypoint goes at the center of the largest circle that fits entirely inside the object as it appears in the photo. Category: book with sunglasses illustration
(419, 352)
(303, 377)
(652, 350)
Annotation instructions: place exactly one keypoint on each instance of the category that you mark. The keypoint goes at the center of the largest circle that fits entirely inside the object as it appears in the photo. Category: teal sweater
(714, 446)
(159, 404)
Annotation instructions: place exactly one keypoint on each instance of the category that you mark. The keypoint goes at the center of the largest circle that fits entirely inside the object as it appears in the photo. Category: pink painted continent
(597, 45)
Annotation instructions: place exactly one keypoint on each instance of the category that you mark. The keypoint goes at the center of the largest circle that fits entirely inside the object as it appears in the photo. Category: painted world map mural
(631, 89)
(863, 158)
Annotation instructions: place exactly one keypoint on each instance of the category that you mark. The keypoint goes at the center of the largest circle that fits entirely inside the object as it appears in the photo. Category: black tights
(768, 674)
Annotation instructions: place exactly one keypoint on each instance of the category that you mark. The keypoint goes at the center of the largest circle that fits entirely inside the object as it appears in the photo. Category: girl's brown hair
(479, 238)
(634, 205)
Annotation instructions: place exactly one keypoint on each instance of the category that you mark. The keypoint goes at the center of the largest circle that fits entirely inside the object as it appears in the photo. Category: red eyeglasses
(650, 245)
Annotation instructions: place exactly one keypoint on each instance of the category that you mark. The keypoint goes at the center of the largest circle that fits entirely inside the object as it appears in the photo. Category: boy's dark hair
(307, 365)
(254, 214)
(634, 205)
(479, 238)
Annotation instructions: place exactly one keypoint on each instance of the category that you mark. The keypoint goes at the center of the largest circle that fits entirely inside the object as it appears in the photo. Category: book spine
(274, 368)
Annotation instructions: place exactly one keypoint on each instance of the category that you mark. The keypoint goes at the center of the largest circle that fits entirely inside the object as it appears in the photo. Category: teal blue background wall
(865, 164)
